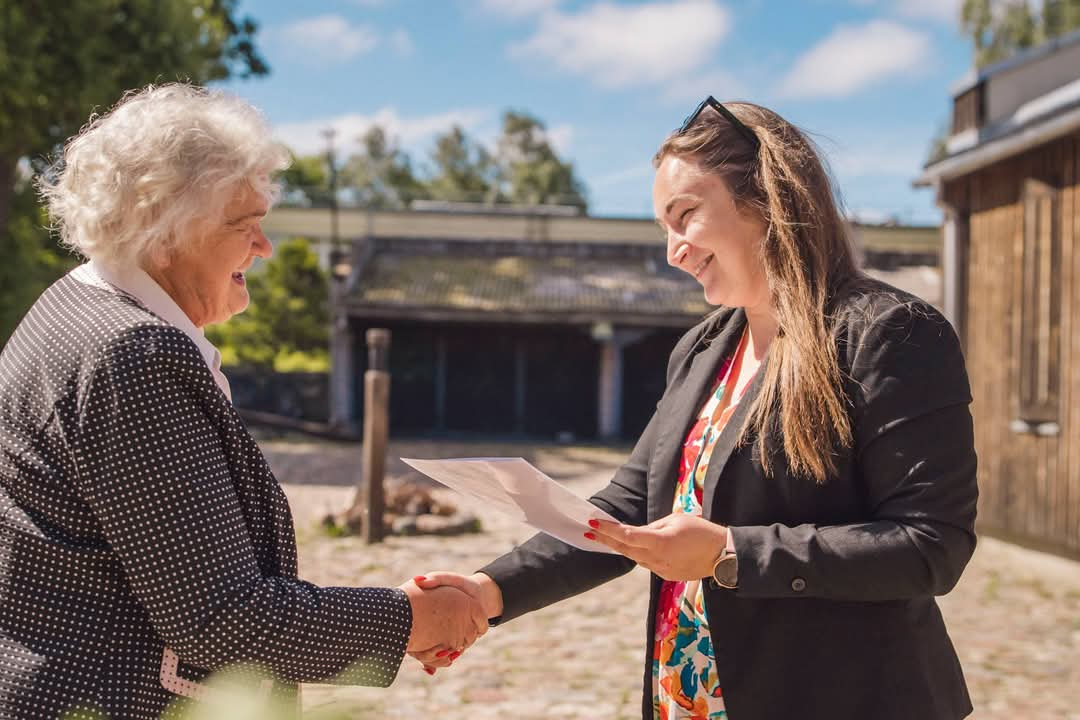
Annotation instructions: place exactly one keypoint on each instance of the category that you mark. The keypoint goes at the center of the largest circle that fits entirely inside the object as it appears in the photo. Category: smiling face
(707, 236)
(206, 276)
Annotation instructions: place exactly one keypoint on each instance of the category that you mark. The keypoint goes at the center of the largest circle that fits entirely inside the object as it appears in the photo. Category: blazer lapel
(682, 410)
(729, 438)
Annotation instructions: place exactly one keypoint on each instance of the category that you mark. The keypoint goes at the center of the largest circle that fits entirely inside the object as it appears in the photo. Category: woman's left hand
(676, 547)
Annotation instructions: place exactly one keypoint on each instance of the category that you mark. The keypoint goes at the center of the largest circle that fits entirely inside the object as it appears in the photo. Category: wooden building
(528, 335)
(1008, 185)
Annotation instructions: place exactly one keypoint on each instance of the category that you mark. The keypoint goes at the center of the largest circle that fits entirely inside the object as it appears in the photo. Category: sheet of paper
(516, 488)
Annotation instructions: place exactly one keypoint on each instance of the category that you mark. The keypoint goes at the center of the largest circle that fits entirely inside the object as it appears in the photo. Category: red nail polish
(419, 579)
(442, 653)
(594, 524)
(590, 536)
(455, 656)
(429, 671)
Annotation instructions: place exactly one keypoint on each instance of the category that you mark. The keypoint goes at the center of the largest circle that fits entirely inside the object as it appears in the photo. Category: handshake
(450, 611)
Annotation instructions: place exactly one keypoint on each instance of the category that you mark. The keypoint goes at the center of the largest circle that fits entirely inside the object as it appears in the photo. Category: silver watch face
(726, 572)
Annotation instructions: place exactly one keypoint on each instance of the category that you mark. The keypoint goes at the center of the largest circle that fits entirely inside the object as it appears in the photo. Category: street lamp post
(335, 239)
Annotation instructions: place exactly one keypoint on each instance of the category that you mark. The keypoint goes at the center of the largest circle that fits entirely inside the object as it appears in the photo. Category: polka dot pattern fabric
(138, 514)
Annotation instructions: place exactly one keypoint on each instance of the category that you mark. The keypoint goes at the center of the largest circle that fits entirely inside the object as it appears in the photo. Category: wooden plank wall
(1029, 485)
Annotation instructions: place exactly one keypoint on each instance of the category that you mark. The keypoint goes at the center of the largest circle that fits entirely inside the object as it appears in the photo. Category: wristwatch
(725, 572)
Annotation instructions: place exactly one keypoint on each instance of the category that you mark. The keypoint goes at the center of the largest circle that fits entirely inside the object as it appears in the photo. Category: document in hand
(516, 488)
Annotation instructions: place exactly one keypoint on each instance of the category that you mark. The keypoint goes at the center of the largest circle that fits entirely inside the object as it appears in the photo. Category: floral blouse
(685, 684)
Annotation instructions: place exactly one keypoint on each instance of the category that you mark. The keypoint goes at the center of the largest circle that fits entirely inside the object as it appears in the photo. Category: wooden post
(376, 432)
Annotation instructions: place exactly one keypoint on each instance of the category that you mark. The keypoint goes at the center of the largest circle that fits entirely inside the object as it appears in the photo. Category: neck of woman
(762, 327)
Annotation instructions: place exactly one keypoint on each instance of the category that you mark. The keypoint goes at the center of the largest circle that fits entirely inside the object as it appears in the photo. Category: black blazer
(137, 513)
(834, 617)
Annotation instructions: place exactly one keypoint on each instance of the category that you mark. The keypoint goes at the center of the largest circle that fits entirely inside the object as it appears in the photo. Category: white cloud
(694, 87)
(637, 174)
(946, 11)
(870, 215)
(306, 138)
(518, 9)
(943, 11)
(327, 38)
(897, 153)
(854, 57)
(401, 43)
(561, 137)
(619, 46)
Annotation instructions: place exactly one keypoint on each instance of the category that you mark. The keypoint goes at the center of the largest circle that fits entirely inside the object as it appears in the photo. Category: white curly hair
(156, 171)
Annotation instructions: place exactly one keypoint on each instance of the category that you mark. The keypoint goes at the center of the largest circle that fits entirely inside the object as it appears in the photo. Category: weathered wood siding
(1029, 483)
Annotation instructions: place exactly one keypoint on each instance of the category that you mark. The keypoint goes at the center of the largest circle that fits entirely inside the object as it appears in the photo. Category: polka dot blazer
(144, 542)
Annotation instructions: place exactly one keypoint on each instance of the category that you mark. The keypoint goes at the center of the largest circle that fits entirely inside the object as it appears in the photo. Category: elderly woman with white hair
(144, 542)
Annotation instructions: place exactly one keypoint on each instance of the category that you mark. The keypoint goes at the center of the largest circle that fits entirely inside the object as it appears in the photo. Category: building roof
(900, 239)
(437, 280)
(1022, 57)
(483, 226)
(1025, 100)
(560, 286)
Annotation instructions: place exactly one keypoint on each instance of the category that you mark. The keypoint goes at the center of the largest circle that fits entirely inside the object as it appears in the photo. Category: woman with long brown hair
(807, 485)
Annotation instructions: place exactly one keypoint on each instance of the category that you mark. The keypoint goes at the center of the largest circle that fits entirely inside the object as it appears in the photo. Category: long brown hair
(808, 258)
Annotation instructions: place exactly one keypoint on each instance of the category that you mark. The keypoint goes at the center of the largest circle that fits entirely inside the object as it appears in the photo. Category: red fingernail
(419, 578)
(442, 653)
(594, 523)
(455, 656)
(429, 671)
(590, 536)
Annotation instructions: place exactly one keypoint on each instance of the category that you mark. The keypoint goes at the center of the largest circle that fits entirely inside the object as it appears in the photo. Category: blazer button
(798, 584)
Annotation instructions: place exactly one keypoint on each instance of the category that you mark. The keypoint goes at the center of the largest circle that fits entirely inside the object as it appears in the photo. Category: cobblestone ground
(1014, 617)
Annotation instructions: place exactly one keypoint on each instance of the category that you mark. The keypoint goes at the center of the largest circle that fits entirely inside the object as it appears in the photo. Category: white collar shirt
(135, 281)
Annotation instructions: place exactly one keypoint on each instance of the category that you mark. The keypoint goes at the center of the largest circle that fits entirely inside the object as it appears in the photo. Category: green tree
(286, 326)
(32, 260)
(999, 29)
(463, 170)
(307, 176)
(382, 173)
(532, 170)
(61, 60)
(1059, 17)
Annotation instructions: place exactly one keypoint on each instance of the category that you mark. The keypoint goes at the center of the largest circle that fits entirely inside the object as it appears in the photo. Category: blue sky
(869, 78)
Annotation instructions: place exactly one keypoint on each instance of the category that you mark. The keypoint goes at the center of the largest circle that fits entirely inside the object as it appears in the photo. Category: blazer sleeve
(915, 465)
(544, 570)
(151, 468)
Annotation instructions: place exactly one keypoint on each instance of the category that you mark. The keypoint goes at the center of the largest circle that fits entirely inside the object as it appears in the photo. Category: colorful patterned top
(685, 684)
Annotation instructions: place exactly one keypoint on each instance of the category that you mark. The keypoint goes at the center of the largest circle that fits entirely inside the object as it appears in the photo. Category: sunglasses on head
(713, 103)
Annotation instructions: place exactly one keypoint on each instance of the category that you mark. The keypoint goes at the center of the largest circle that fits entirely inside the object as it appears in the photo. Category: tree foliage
(463, 169)
(534, 173)
(523, 168)
(382, 173)
(999, 28)
(62, 60)
(285, 328)
(32, 260)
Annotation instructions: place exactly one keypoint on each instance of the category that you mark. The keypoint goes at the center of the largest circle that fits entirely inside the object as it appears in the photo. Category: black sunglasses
(715, 105)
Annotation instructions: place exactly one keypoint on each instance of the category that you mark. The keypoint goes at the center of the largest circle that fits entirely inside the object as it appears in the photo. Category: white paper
(516, 488)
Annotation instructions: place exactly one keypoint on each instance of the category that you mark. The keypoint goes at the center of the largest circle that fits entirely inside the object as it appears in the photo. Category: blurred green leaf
(286, 326)
(61, 60)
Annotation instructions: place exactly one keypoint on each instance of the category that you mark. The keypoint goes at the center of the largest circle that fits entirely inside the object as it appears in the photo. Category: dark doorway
(644, 377)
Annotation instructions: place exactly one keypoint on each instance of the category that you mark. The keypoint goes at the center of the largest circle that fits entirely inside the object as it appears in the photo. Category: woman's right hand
(478, 586)
(443, 616)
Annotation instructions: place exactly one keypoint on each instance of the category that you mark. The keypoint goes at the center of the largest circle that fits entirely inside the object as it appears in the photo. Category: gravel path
(1014, 617)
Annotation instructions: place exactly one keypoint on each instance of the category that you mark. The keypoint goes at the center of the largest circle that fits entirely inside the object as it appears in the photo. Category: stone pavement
(1014, 617)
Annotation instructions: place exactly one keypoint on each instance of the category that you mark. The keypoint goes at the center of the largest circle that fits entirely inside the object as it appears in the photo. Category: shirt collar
(136, 282)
